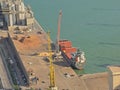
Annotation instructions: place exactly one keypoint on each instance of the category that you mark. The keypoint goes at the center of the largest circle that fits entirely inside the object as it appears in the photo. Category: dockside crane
(58, 33)
(52, 71)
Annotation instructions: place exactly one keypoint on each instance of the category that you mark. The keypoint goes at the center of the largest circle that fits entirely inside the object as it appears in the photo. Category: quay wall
(19, 59)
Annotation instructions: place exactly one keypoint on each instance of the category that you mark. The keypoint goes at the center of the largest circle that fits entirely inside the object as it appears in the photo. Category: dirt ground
(30, 44)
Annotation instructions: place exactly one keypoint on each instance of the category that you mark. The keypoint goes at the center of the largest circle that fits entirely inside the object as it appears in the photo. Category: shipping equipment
(73, 56)
(52, 71)
(64, 49)
(58, 53)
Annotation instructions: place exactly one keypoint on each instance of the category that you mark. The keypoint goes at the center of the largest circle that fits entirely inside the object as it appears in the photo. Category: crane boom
(58, 33)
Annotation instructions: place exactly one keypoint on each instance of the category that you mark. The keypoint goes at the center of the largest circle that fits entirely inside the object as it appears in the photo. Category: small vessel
(73, 56)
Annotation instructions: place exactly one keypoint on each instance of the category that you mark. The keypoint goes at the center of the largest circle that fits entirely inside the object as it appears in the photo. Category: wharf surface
(40, 68)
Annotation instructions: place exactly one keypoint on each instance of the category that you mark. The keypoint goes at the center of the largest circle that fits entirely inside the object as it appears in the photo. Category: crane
(58, 33)
(52, 71)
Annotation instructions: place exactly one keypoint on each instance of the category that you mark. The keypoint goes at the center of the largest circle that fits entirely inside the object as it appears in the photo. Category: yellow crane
(52, 71)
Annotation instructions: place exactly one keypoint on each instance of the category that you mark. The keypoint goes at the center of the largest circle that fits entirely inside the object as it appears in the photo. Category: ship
(73, 56)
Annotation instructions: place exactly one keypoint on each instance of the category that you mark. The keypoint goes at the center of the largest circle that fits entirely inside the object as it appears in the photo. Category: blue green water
(92, 25)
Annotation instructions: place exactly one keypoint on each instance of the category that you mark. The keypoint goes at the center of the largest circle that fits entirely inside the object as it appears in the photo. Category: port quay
(26, 63)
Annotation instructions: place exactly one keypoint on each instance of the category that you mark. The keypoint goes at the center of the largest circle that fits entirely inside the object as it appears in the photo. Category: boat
(73, 56)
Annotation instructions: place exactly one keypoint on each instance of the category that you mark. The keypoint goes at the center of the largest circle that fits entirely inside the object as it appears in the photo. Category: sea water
(93, 26)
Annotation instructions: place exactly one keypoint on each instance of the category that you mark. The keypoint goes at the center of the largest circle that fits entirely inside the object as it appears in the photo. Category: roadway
(16, 70)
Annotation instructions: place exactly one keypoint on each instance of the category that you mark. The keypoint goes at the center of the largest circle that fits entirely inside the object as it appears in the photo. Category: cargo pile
(73, 56)
(66, 47)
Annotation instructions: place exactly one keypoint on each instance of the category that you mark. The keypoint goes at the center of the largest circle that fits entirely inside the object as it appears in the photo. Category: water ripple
(104, 24)
(106, 9)
(109, 43)
(107, 58)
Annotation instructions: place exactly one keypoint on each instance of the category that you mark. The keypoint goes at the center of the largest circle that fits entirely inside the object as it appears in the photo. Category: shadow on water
(109, 43)
(80, 72)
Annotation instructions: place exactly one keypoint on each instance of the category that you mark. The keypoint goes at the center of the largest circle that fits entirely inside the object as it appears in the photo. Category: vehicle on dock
(73, 56)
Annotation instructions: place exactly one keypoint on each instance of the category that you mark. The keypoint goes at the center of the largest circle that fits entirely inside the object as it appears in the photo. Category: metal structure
(58, 33)
(52, 71)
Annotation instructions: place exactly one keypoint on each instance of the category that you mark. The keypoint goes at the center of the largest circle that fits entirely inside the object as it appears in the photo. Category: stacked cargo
(66, 47)
(72, 55)
(65, 44)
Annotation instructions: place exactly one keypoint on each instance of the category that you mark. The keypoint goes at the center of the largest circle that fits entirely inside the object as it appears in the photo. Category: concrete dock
(65, 77)
(26, 68)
